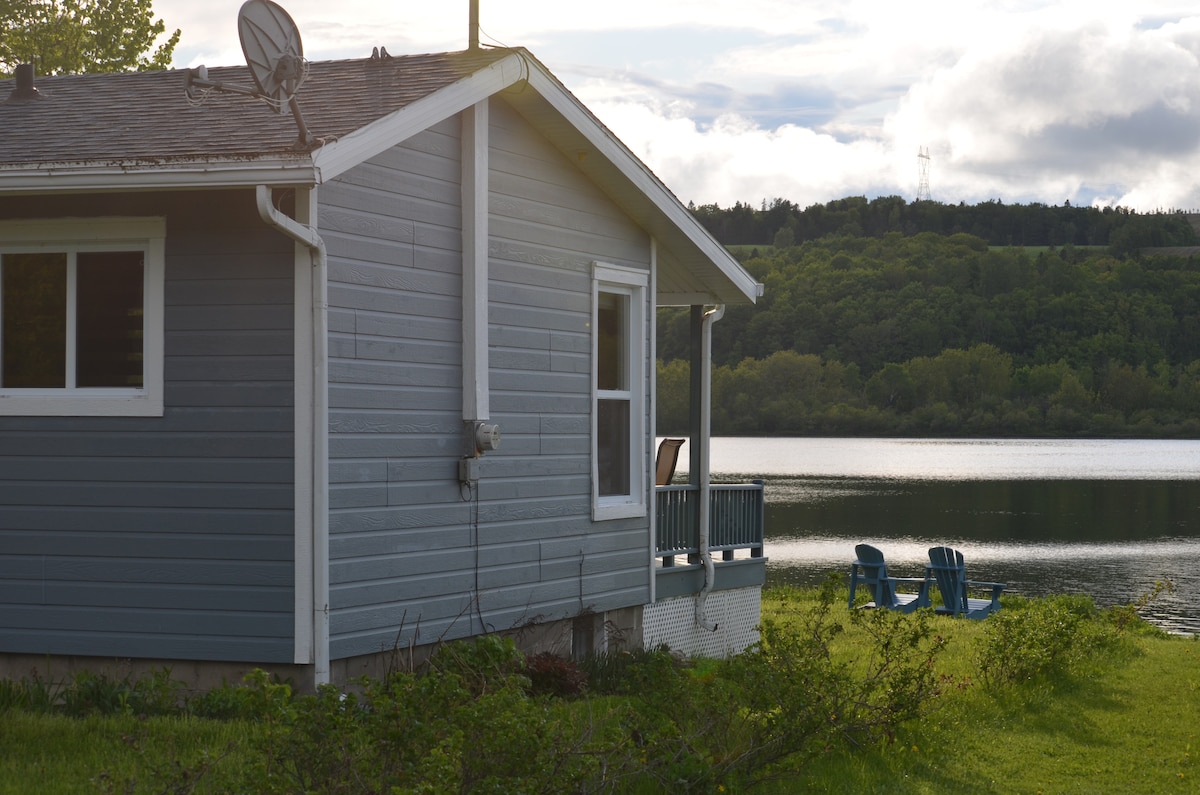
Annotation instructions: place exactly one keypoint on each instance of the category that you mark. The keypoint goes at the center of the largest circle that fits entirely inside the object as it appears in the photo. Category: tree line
(935, 334)
(781, 223)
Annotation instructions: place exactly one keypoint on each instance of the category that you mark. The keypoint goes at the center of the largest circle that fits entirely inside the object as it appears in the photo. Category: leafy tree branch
(83, 36)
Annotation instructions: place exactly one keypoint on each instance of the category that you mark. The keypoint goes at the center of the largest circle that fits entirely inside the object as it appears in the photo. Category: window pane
(34, 332)
(612, 328)
(612, 446)
(108, 341)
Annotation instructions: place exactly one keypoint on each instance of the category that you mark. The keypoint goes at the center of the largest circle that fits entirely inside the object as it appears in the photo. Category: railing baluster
(736, 516)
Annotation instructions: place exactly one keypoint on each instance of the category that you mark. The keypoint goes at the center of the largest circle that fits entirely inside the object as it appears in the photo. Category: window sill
(618, 510)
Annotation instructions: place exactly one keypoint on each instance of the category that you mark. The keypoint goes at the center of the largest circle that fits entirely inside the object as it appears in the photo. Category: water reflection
(1111, 539)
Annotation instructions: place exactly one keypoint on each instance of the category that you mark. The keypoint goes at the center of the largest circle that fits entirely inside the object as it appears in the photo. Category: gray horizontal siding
(256, 542)
(173, 536)
(414, 557)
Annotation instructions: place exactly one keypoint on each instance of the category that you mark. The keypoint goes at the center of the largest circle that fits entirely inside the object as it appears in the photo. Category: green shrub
(803, 699)
(1044, 640)
(259, 696)
(467, 724)
(482, 718)
(554, 675)
(155, 693)
(30, 694)
(482, 663)
(617, 672)
(1127, 617)
(86, 693)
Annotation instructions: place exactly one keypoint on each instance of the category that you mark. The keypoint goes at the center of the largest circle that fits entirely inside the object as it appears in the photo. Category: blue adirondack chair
(870, 569)
(947, 569)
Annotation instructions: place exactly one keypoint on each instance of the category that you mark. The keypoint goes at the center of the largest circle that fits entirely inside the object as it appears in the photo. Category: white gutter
(132, 176)
(710, 574)
(306, 235)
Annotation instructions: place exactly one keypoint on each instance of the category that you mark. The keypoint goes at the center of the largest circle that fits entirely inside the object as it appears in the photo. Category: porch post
(696, 372)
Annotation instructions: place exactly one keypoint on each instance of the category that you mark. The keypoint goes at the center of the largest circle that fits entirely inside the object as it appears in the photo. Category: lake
(1107, 518)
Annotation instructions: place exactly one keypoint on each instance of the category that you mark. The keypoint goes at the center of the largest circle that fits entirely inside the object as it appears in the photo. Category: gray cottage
(303, 390)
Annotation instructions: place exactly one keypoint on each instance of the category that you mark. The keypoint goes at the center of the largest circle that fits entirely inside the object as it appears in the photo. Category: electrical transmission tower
(923, 170)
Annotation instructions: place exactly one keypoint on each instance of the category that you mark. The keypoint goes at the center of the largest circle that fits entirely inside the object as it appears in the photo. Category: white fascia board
(94, 177)
(615, 152)
(684, 299)
(337, 157)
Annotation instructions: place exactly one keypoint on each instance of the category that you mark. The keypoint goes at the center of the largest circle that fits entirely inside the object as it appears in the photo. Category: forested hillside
(781, 223)
(935, 334)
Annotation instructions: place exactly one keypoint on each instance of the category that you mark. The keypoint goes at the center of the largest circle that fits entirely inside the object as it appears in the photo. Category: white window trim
(634, 283)
(147, 234)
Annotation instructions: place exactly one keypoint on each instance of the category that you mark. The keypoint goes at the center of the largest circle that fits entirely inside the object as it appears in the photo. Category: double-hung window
(619, 392)
(81, 317)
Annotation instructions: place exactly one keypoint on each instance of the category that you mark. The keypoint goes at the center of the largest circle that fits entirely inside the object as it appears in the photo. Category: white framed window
(81, 317)
(619, 480)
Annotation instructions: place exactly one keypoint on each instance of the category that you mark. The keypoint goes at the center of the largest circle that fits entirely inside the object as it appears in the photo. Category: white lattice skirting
(673, 622)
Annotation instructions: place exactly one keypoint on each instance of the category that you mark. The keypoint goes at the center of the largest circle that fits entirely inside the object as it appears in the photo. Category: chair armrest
(996, 587)
(922, 591)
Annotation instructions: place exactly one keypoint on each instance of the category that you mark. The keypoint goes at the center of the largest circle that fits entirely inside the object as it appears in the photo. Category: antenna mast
(473, 25)
(923, 170)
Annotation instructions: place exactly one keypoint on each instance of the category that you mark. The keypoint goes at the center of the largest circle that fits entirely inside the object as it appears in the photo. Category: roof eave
(143, 175)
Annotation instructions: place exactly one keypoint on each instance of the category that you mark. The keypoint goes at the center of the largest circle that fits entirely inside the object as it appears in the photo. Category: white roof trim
(337, 157)
(615, 152)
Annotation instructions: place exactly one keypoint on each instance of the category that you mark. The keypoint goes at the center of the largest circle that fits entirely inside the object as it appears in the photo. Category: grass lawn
(1134, 729)
(1125, 723)
(1128, 725)
(47, 754)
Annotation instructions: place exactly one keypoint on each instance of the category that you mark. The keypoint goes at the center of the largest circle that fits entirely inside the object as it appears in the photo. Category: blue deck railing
(735, 520)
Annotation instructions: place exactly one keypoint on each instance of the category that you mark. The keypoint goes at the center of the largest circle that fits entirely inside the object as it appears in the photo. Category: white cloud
(1075, 110)
(1025, 100)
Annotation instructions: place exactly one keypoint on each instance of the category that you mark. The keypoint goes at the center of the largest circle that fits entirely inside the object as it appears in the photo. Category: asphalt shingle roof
(146, 117)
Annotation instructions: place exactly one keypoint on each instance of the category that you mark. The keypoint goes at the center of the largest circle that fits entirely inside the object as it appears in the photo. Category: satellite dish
(271, 44)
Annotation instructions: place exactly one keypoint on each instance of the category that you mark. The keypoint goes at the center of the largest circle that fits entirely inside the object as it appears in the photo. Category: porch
(707, 595)
(708, 564)
(735, 538)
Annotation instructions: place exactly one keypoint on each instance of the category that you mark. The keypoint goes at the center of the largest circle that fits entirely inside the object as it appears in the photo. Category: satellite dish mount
(275, 56)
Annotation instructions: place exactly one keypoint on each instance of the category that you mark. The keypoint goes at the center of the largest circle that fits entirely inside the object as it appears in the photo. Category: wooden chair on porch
(665, 461)
(870, 569)
(947, 568)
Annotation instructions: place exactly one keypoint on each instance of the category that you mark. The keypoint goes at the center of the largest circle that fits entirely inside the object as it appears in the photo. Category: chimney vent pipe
(25, 89)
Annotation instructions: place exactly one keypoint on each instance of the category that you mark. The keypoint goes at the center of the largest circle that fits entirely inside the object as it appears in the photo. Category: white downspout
(710, 317)
(307, 235)
(651, 436)
(475, 190)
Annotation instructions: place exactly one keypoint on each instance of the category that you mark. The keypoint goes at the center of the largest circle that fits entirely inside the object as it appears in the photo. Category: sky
(1088, 101)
